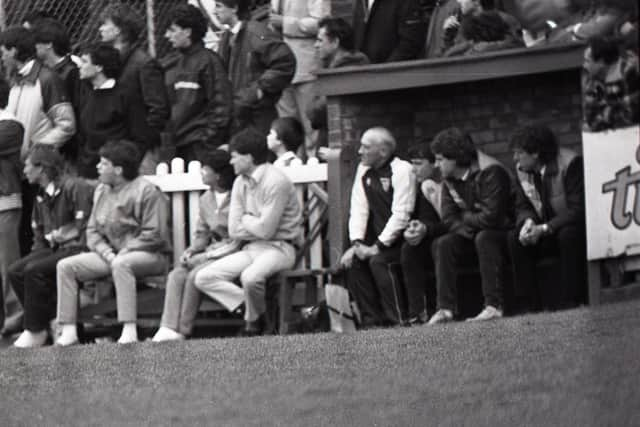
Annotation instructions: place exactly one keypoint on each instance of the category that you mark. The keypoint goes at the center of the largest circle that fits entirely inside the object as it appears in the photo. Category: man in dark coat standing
(260, 66)
(389, 30)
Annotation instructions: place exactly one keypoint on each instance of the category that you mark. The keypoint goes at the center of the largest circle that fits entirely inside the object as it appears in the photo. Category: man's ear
(117, 170)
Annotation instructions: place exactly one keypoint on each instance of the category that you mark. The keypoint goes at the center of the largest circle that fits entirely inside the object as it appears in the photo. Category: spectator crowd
(79, 130)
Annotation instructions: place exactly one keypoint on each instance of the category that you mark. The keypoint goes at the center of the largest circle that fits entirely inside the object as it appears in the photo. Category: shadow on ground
(579, 367)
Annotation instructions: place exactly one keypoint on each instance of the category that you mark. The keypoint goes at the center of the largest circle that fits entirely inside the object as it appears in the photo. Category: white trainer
(28, 339)
(442, 316)
(167, 334)
(489, 313)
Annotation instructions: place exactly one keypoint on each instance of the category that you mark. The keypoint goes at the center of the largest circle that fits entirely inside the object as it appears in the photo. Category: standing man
(128, 238)
(297, 20)
(476, 209)
(389, 30)
(141, 76)
(11, 133)
(198, 87)
(266, 216)
(382, 200)
(60, 216)
(550, 218)
(259, 64)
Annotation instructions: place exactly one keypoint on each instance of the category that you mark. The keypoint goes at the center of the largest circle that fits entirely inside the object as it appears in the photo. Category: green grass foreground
(574, 368)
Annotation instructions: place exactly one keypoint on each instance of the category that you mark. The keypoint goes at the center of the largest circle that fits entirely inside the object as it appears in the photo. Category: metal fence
(82, 17)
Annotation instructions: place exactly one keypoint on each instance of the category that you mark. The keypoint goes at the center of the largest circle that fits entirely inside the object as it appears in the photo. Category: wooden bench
(184, 190)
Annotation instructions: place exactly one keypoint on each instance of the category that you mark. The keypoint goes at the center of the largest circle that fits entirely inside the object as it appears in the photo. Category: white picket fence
(185, 188)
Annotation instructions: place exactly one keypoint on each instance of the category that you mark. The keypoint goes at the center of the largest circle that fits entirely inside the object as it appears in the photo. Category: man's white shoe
(489, 313)
(68, 335)
(442, 316)
(167, 334)
(28, 339)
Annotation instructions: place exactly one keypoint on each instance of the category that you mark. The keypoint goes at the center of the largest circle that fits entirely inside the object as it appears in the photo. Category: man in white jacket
(382, 200)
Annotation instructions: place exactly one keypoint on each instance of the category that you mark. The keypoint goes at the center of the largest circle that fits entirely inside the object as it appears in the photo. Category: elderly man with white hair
(382, 200)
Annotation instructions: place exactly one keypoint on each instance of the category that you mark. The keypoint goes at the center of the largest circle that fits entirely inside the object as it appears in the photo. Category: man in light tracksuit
(382, 200)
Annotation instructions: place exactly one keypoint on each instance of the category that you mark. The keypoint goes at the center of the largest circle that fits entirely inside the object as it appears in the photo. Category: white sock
(68, 335)
(167, 334)
(129, 333)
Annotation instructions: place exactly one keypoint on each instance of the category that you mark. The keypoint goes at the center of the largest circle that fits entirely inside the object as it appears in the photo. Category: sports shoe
(442, 316)
(30, 339)
(489, 313)
(167, 334)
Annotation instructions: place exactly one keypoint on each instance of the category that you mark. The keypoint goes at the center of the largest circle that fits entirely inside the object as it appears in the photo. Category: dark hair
(289, 131)
(49, 30)
(536, 139)
(421, 150)
(49, 158)
(605, 49)
(36, 15)
(250, 141)
(244, 7)
(487, 4)
(104, 55)
(126, 19)
(123, 153)
(454, 144)
(484, 27)
(4, 92)
(189, 16)
(22, 39)
(338, 28)
(218, 160)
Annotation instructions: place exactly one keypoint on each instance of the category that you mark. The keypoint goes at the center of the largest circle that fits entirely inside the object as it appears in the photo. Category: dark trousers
(487, 250)
(418, 274)
(376, 288)
(29, 192)
(568, 288)
(34, 281)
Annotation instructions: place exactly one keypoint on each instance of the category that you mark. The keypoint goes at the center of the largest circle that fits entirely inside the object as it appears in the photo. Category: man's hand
(415, 232)
(364, 252)
(347, 257)
(451, 22)
(526, 234)
(197, 259)
(275, 21)
(184, 258)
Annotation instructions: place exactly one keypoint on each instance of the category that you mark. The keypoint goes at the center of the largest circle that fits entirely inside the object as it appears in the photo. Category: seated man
(549, 217)
(182, 299)
(127, 235)
(424, 227)
(284, 139)
(59, 221)
(266, 215)
(476, 209)
(382, 200)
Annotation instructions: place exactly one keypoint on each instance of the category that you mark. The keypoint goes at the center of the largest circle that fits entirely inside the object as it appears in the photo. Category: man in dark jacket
(425, 226)
(198, 87)
(389, 30)
(259, 64)
(476, 209)
(549, 218)
(142, 77)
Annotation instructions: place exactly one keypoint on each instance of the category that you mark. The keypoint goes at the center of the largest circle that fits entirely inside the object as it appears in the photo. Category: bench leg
(284, 306)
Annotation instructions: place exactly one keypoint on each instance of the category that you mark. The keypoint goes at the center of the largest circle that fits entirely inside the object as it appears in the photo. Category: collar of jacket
(32, 75)
(193, 48)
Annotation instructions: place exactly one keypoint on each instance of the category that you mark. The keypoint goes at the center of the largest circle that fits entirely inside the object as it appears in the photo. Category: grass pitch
(573, 368)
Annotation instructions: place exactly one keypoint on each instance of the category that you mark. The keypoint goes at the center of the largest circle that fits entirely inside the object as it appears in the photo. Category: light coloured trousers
(254, 264)
(123, 269)
(182, 299)
(10, 308)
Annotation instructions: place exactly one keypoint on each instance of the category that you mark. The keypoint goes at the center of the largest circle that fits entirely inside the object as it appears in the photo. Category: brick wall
(489, 110)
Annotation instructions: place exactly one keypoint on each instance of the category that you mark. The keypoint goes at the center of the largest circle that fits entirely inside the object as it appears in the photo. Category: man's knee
(444, 244)
(489, 239)
(66, 266)
(252, 280)
(571, 236)
(120, 263)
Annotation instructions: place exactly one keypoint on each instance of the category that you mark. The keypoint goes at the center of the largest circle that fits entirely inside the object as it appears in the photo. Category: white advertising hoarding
(612, 190)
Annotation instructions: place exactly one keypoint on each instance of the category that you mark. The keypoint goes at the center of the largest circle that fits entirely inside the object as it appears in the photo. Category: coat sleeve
(154, 95)
(202, 235)
(95, 240)
(58, 109)
(359, 207)
(412, 32)
(574, 193)
(236, 211)
(451, 212)
(154, 221)
(279, 63)
(494, 200)
(264, 225)
(306, 26)
(404, 196)
(217, 88)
